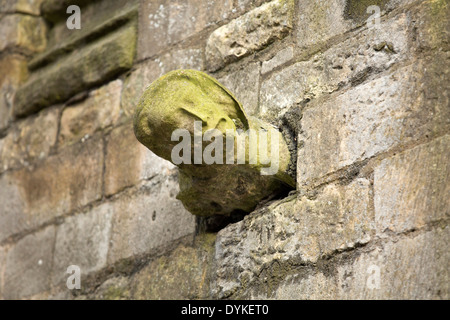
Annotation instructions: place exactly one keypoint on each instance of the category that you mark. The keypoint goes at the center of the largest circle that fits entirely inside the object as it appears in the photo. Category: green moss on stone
(174, 102)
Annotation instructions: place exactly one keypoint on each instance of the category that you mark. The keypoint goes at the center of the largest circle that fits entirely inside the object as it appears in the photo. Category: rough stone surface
(99, 61)
(182, 274)
(82, 240)
(432, 29)
(64, 182)
(411, 189)
(191, 58)
(128, 161)
(98, 19)
(318, 21)
(249, 33)
(191, 16)
(347, 63)
(3, 252)
(296, 231)
(399, 112)
(23, 33)
(244, 84)
(14, 72)
(117, 288)
(21, 6)
(413, 267)
(28, 265)
(247, 5)
(279, 59)
(150, 219)
(163, 22)
(100, 110)
(30, 139)
(135, 84)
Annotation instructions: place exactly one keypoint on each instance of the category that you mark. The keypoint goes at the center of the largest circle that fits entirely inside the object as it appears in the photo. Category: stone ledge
(96, 22)
(94, 64)
(411, 267)
(249, 33)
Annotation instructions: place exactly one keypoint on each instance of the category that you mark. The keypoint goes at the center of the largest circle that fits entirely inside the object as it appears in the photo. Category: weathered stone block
(28, 265)
(279, 59)
(128, 162)
(30, 139)
(191, 16)
(147, 220)
(411, 189)
(191, 58)
(21, 6)
(153, 25)
(373, 118)
(3, 252)
(410, 268)
(22, 32)
(247, 5)
(135, 84)
(245, 85)
(348, 63)
(82, 240)
(95, 63)
(163, 22)
(52, 9)
(97, 19)
(14, 72)
(64, 182)
(300, 231)
(414, 267)
(117, 288)
(431, 29)
(318, 21)
(100, 110)
(185, 273)
(249, 33)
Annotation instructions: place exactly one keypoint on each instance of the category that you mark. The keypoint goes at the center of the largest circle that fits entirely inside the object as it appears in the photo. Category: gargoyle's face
(179, 98)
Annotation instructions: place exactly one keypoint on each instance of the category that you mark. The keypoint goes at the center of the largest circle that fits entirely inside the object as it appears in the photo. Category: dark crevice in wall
(216, 223)
(289, 125)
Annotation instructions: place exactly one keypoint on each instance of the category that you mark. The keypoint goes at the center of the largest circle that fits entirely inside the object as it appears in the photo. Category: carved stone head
(179, 99)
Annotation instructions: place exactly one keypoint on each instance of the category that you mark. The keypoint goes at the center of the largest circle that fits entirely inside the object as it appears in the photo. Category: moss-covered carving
(196, 103)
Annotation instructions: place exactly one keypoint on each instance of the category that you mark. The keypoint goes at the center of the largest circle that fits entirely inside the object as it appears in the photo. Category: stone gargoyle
(228, 162)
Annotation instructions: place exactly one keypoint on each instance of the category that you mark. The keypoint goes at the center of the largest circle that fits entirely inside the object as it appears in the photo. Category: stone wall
(366, 104)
